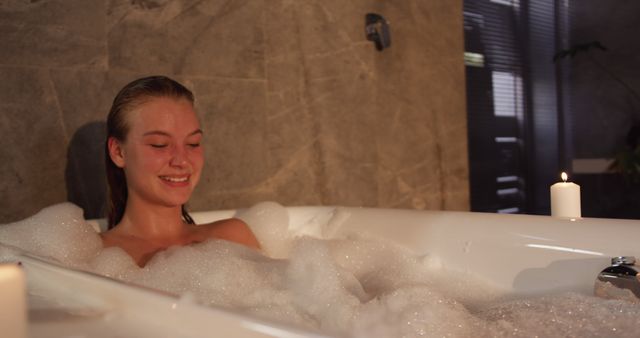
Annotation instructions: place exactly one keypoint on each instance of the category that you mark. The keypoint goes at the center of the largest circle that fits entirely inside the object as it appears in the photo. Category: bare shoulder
(234, 230)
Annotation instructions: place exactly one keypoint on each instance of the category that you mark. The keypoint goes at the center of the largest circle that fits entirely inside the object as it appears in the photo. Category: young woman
(154, 158)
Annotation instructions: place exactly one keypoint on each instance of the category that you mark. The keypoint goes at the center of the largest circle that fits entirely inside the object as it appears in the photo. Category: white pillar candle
(565, 199)
(13, 304)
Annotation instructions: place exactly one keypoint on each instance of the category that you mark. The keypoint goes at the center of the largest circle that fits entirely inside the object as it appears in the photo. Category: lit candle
(565, 199)
(13, 305)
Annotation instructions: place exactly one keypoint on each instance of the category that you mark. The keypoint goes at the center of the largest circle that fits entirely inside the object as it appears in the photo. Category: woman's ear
(116, 152)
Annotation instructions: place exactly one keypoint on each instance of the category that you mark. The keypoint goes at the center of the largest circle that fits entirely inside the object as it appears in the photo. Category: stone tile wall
(297, 106)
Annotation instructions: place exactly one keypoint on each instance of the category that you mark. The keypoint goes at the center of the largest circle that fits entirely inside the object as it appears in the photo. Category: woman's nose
(178, 157)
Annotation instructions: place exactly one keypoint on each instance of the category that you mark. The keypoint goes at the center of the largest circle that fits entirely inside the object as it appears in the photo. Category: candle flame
(564, 177)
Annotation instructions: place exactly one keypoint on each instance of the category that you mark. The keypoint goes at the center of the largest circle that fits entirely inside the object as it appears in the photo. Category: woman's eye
(158, 145)
(194, 145)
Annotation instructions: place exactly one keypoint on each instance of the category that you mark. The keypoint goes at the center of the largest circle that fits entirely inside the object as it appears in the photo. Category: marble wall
(297, 106)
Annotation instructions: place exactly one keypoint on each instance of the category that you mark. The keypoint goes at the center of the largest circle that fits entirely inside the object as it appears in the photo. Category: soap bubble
(320, 288)
(114, 262)
(59, 232)
(413, 311)
(563, 315)
(269, 222)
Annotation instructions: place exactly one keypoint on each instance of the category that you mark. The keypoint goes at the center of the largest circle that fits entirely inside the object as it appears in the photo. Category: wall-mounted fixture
(377, 30)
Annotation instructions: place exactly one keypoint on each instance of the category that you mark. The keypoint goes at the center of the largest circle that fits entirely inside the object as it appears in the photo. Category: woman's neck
(152, 222)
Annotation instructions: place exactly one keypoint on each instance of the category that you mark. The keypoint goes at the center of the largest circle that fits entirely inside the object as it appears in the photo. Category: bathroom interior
(467, 110)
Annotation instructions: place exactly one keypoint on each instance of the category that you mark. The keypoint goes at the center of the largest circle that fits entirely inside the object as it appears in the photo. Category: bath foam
(115, 263)
(59, 232)
(269, 221)
(312, 288)
(217, 272)
(416, 311)
(563, 315)
(380, 266)
(320, 288)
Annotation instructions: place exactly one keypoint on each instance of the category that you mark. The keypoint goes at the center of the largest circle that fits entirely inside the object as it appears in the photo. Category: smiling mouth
(175, 179)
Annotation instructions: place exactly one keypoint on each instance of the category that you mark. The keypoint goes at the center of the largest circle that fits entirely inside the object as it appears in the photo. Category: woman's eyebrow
(164, 133)
(156, 132)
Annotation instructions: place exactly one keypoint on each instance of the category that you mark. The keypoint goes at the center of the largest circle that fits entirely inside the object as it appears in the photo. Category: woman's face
(162, 156)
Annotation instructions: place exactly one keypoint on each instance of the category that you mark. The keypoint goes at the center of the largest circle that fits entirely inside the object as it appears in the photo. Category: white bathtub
(520, 254)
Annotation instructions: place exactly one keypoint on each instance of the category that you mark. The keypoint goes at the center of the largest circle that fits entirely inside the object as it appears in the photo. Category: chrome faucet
(619, 281)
